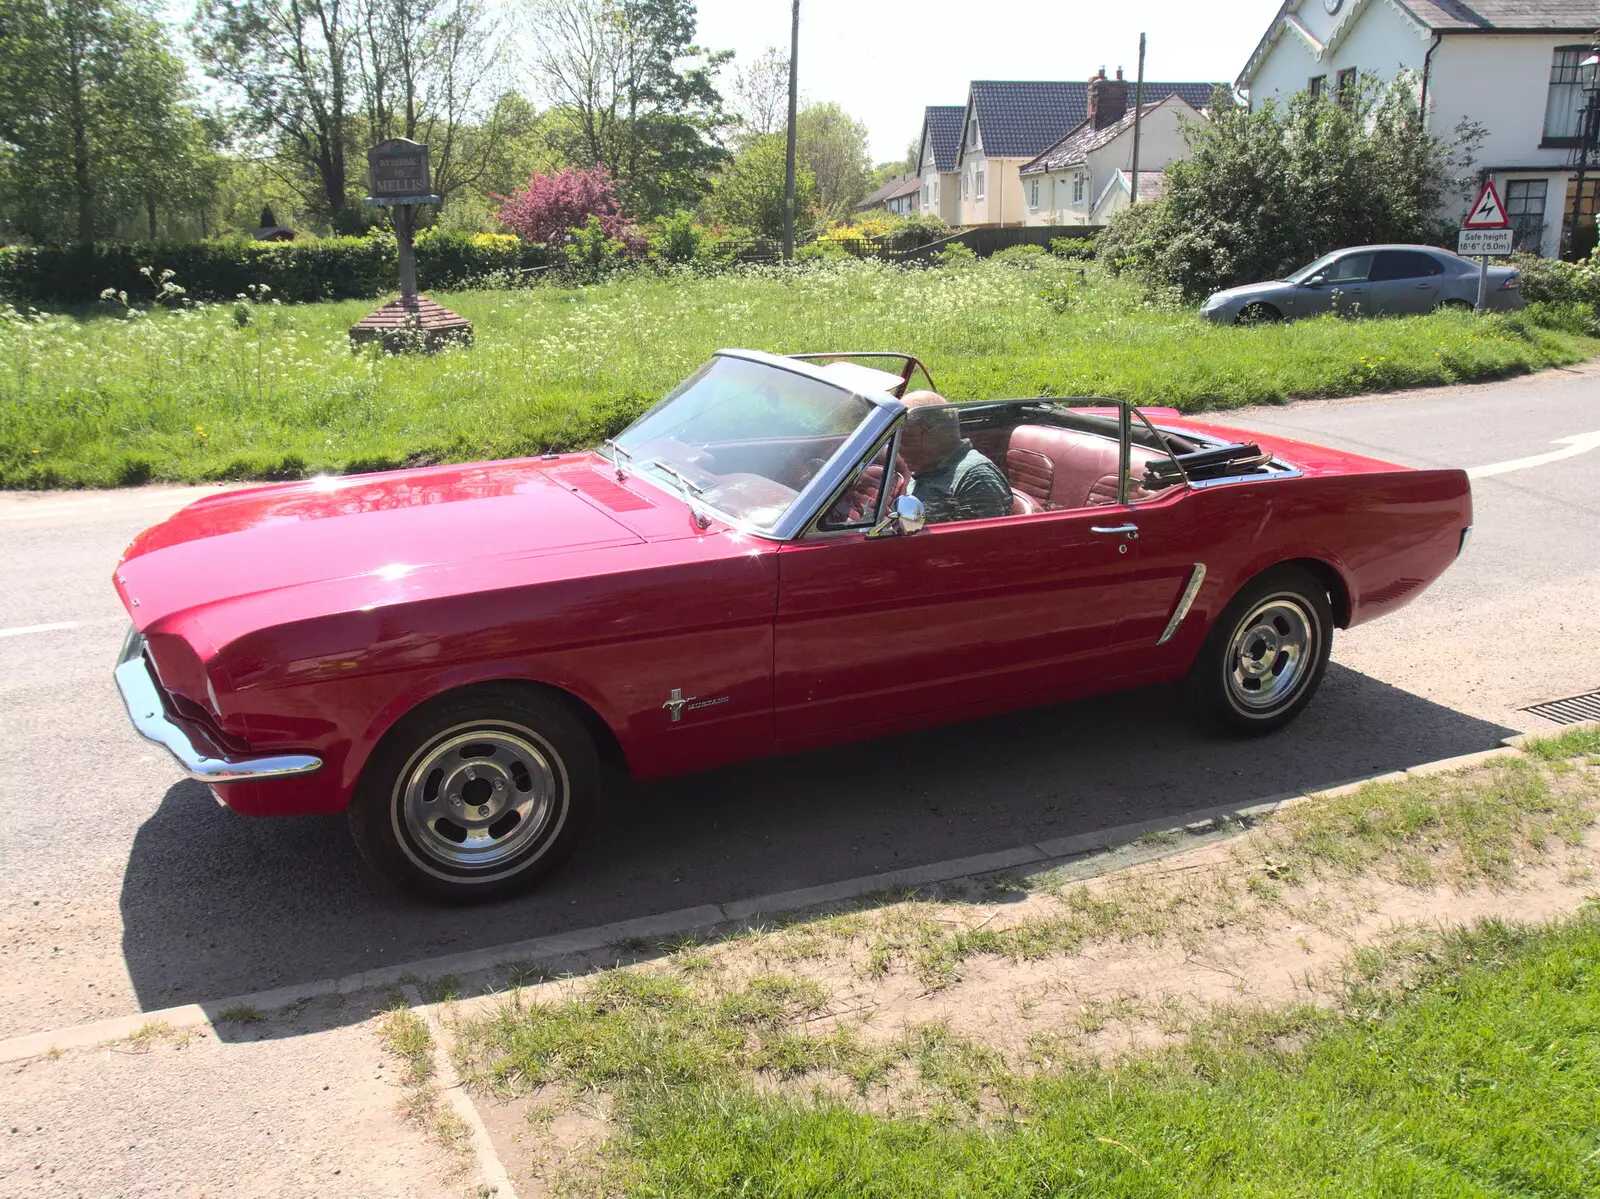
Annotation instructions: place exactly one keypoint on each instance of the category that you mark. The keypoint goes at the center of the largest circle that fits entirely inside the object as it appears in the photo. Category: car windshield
(742, 437)
(1305, 272)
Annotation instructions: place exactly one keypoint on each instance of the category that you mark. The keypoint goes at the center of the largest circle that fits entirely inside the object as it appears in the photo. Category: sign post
(400, 181)
(1485, 233)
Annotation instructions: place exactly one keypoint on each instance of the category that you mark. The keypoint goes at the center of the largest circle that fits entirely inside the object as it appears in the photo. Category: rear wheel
(476, 795)
(1265, 657)
(1456, 306)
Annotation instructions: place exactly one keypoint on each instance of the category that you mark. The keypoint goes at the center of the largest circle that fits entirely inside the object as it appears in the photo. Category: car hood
(376, 534)
(1250, 291)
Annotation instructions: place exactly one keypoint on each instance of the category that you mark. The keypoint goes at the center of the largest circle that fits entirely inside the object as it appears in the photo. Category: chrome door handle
(1130, 530)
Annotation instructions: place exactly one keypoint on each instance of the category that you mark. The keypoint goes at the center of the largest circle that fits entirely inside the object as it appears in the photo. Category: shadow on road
(214, 904)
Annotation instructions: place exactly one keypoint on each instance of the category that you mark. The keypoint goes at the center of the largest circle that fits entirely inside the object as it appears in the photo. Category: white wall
(1375, 39)
(1502, 81)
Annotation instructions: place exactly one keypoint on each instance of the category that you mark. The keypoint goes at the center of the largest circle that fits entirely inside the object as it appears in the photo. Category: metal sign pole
(405, 223)
(1483, 283)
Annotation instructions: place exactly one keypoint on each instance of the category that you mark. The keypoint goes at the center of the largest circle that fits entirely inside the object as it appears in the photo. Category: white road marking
(38, 628)
(1578, 443)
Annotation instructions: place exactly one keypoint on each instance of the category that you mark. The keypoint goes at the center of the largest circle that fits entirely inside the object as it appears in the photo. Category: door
(1404, 282)
(1340, 287)
(872, 629)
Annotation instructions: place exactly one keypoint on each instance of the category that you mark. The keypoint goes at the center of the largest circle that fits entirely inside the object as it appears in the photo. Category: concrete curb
(706, 916)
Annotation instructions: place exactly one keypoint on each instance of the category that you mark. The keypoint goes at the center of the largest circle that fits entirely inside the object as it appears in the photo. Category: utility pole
(1138, 115)
(788, 159)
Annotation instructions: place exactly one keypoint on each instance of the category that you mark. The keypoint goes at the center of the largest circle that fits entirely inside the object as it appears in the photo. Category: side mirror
(907, 515)
(1317, 281)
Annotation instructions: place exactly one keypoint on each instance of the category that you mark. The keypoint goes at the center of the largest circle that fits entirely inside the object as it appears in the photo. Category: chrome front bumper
(142, 698)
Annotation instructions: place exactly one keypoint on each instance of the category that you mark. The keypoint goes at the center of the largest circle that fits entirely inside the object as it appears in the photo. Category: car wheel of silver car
(1258, 314)
(1456, 305)
(476, 795)
(1265, 656)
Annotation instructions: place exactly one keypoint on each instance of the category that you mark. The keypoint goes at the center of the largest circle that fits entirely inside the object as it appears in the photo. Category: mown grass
(98, 400)
(1476, 1080)
(1455, 1065)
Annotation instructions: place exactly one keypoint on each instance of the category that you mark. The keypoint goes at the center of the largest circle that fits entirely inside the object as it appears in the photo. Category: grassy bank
(803, 1060)
(274, 391)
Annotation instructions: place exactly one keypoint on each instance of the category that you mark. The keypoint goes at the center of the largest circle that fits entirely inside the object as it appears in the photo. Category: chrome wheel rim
(1271, 655)
(477, 797)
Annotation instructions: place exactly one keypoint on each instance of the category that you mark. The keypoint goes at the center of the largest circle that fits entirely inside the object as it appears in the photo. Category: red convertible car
(783, 553)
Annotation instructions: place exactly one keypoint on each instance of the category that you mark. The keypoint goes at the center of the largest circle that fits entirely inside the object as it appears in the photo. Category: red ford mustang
(759, 564)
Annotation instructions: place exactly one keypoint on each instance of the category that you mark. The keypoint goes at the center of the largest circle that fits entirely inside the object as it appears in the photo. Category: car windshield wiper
(617, 454)
(689, 491)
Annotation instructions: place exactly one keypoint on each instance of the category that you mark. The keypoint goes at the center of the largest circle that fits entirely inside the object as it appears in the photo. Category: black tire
(1258, 314)
(1249, 677)
(483, 756)
(1456, 306)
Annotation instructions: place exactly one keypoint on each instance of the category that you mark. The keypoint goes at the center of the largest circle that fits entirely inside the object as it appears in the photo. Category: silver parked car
(1368, 281)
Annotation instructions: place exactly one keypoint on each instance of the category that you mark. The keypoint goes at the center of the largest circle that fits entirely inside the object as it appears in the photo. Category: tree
(93, 109)
(749, 191)
(760, 94)
(833, 144)
(639, 97)
(290, 64)
(1264, 192)
(548, 207)
(423, 67)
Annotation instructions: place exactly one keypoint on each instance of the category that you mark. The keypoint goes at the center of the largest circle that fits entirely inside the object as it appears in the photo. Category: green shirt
(963, 486)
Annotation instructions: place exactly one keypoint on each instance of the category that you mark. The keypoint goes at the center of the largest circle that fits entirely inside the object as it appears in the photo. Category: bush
(915, 231)
(957, 254)
(1022, 258)
(307, 270)
(591, 253)
(1264, 192)
(1551, 281)
(1074, 247)
(676, 239)
(548, 207)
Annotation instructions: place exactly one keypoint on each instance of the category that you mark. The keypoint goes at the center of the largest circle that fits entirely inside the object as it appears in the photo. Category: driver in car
(953, 480)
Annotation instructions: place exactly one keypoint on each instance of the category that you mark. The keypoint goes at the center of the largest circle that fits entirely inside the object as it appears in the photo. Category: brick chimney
(1108, 99)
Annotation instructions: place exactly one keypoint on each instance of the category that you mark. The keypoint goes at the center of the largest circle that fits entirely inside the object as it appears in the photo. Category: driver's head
(932, 430)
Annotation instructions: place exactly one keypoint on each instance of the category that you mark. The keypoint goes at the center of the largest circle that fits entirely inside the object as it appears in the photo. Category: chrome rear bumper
(142, 698)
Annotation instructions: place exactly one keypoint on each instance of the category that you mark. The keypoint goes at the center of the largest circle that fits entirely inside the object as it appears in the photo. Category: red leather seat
(1063, 468)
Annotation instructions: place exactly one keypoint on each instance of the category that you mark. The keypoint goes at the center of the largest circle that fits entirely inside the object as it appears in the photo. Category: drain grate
(1570, 710)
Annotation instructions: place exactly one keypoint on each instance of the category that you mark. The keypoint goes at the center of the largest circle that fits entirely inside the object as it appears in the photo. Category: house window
(966, 183)
(972, 134)
(935, 191)
(977, 187)
(1317, 85)
(924, 195)
(1525, 208)
(1563, 107)
(1345, 84)
(1077, 188)
(1033, 195)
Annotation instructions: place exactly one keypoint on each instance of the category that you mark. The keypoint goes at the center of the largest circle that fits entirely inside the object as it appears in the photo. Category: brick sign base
(409, 324)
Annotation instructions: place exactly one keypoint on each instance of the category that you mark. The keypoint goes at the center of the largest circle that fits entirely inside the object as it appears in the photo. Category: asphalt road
(124, 887)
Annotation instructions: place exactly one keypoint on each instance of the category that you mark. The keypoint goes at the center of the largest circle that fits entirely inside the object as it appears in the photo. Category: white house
(897, 197)
(1008, 123)
(940, 189)
(1081, 179)
(1510, 65)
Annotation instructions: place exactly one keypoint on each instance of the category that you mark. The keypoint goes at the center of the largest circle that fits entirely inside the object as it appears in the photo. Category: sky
(884, 62)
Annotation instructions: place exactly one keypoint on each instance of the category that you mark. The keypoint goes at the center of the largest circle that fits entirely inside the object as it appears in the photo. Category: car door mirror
(907, 515)
(1317, 281)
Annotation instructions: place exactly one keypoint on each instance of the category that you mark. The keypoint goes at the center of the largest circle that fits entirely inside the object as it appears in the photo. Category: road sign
(399, 170)
(1487, 212)
(1496, 243)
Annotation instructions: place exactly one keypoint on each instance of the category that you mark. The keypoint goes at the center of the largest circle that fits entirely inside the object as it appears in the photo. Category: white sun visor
(862, 380)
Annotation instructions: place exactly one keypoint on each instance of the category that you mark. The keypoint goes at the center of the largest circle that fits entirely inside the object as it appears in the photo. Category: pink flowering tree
(548, 207)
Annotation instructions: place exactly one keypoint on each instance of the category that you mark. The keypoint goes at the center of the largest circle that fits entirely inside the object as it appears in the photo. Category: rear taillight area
(1512, 284)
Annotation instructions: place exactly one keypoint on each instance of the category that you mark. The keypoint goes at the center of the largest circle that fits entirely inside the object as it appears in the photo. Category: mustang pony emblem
(678, 703)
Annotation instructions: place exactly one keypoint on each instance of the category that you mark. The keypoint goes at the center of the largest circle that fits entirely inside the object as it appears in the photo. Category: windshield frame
(809, 501)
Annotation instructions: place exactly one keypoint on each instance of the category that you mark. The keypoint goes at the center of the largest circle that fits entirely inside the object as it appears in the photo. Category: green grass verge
(1477, 1080)
(194, 396)
(1461, 1065)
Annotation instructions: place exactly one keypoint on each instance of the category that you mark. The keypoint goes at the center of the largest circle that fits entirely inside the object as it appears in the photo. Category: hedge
(331, 268)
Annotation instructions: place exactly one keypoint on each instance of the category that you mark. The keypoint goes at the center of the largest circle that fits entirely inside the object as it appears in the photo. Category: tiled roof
(1505, 14)
(900, 185)
(942, 125)
(1152, 184)
(1083, 139)
(1023, 119)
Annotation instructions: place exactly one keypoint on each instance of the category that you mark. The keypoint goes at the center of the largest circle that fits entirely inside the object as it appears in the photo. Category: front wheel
(1258, 314)
(1265, 657)
(475, 795)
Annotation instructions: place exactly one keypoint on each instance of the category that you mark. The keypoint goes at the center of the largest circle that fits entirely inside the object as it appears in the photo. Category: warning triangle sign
(1487, 212)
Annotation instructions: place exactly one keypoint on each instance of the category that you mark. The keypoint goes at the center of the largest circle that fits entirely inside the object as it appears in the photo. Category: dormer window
(972, 135)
